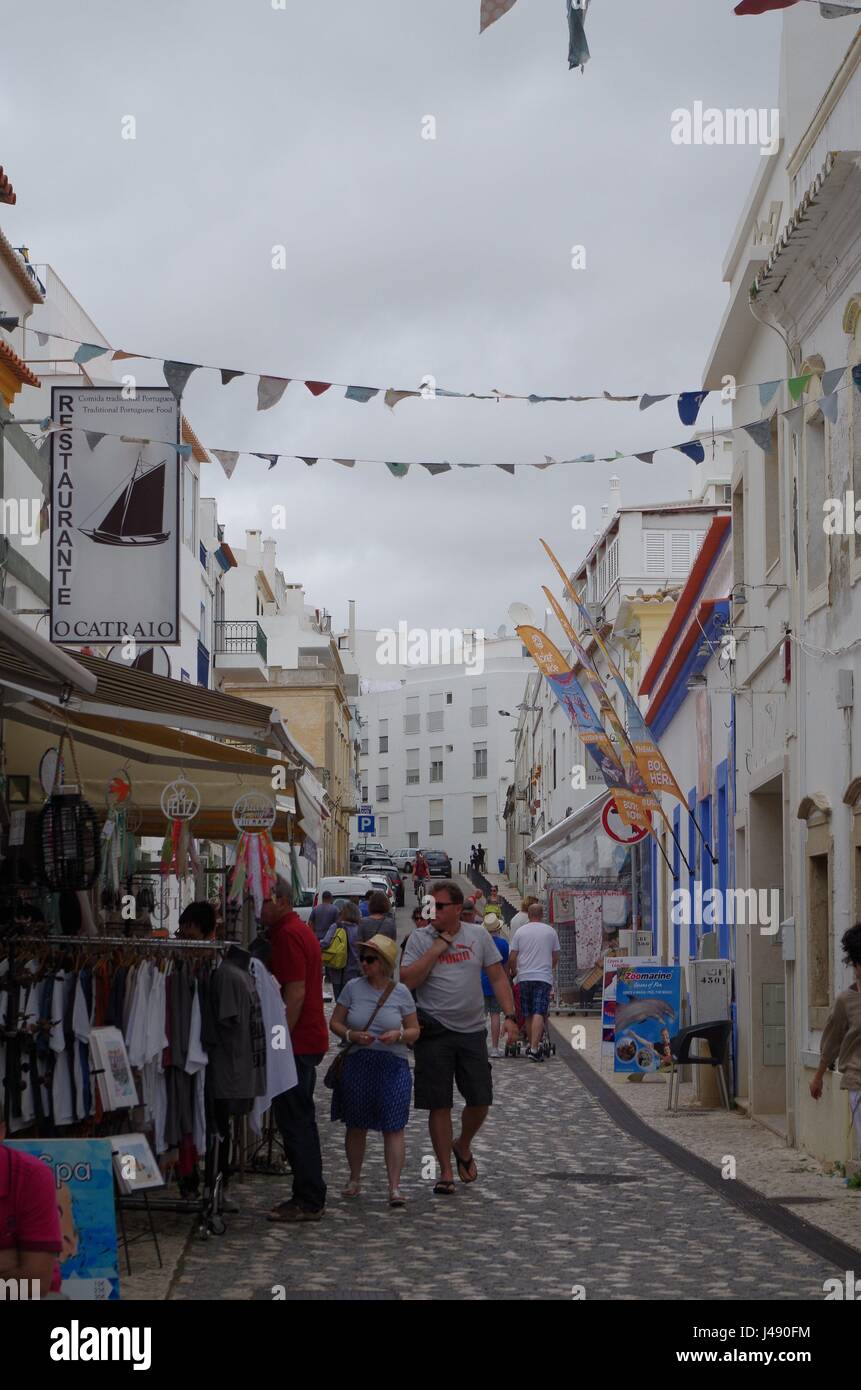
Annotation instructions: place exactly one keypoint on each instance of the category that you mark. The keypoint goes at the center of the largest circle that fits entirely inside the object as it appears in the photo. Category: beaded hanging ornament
(68, 832)
(254, 866)
(180, 802)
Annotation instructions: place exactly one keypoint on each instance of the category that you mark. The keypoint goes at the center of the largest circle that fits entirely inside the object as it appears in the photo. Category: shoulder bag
(336, 1067)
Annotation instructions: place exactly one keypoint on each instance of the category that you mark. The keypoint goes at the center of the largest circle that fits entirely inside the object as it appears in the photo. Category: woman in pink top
(30, 1239)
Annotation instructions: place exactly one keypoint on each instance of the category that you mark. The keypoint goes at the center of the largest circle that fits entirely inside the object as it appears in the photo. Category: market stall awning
(29, 664)
(567, 831)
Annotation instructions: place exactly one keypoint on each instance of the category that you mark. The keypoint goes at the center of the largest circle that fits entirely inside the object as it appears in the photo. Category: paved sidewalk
(762, 1160)
(565, 1198)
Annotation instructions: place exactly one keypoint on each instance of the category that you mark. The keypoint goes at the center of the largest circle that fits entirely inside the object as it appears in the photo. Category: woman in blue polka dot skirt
(375, 1086)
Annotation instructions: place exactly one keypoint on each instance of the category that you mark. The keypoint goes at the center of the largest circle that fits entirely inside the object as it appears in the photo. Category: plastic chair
(717, 1036)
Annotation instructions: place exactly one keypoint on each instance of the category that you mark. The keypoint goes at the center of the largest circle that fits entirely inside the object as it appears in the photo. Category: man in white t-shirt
(534, 956)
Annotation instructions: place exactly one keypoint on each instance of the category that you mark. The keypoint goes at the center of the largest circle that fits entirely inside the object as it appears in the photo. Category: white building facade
(794, 266)
(437, 746)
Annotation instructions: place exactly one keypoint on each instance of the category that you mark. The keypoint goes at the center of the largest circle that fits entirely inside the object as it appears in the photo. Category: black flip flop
(444, 1188)
(467, 1169)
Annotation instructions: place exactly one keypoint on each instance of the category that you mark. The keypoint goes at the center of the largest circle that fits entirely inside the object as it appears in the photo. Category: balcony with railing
(241, 650)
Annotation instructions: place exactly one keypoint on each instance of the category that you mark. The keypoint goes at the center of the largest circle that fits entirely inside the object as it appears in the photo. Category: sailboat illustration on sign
(137, 516)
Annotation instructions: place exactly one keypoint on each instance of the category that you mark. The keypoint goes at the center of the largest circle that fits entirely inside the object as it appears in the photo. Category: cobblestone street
(565, 1197)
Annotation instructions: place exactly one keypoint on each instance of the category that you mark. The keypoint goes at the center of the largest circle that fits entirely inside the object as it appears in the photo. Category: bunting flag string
(827, 8)
(271, 387)
(759, 431)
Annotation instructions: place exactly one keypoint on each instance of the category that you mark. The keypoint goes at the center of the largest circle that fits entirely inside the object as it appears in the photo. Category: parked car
(438, 862)
(404, 859)
(392, 873)
(304, 903)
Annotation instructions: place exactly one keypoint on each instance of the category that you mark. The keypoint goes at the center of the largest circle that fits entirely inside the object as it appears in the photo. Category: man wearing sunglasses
(442, 965)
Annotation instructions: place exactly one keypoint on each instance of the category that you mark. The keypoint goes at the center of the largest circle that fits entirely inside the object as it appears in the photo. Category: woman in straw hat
(377, 1019)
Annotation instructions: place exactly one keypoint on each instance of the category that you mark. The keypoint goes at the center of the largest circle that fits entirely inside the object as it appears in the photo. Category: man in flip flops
(442, 965)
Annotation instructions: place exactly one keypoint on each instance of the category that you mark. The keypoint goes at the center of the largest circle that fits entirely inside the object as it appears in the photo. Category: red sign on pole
(616, 827)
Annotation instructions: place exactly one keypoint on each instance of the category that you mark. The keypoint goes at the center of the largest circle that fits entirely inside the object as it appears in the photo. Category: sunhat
(382, 946)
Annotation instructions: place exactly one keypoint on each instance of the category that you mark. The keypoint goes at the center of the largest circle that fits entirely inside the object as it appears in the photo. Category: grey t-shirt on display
(452, 992)
(360, 999)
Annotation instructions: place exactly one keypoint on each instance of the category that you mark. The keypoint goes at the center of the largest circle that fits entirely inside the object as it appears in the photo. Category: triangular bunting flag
(45, 447)
(87, 351)
(609, 397)
(228, 459)
(120, 355)
(318, 387)
(9, 322)
(798, 385)
(227, 376)
(694, 450)
(856, 375)
(270, 389)
(271, 459)
(548, 462)
(767, 391)
(184, 451)
(469, 465)
(646, 401)
(492, 10)
(760, 433)
(435, 468)
(793, 418)
(578, 48)
(93, 438)
(176, 375)
(584, 458)
(506, 467)
(44, 517)
(310, 462)
(362, 394)
(832, 379)
(762, 6)
(346, 463)
(830, 11)
(689, 406)
(394, 398)
(648, 457)
(398, 470)
(830, 406)
(43, 339)
(539, 400)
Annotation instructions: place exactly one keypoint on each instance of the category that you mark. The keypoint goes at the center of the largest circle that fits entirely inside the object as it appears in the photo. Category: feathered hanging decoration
(254, 864)
(180, 802)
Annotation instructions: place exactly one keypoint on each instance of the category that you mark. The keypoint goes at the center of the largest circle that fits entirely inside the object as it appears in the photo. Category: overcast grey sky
(405, 256)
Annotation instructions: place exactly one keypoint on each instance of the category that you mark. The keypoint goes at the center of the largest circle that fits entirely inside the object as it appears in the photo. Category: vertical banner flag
(650, 760)
(115, 516)
(606, 708)
(572, 697)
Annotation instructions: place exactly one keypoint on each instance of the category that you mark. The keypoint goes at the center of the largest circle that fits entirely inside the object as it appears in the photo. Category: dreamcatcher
(68, 829)
(180, 802)
(119, 849)
(254, 866)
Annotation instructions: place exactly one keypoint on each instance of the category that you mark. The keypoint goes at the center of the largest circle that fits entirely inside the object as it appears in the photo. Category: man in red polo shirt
(30, 1238)
(296, 962)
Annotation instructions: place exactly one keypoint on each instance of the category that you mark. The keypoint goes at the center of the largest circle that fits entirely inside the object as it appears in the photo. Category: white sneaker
(496, 1052)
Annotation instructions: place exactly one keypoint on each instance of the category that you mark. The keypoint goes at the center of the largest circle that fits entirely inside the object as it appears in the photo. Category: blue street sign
(367, 825)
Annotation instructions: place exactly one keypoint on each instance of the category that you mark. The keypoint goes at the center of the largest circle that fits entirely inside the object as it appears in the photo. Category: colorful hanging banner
(573, 699)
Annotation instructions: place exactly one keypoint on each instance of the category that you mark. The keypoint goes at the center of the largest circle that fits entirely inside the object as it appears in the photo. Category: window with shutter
(653, 553)
(680, 552)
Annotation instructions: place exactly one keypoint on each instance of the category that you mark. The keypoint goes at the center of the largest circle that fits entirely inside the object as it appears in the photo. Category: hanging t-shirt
(231, 1062)
(61, 1086)
(280, 1065)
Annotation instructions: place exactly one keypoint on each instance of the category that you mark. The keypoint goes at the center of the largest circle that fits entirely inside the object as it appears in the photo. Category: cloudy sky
(302, 127)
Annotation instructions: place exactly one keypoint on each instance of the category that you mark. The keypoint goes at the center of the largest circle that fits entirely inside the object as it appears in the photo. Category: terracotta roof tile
(20, 368)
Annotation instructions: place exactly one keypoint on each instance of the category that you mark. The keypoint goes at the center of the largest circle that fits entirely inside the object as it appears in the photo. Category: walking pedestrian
(480, 852)
(323, 915)
(418, 921)
(350, 918)
(534, 956)
(522, 917)
(841, 1036)
(421, 874)
(377, 1019)
(473, 857)
(492, 1006)
(442, 966)
(494, 903)
(296, 962)
(380, 920)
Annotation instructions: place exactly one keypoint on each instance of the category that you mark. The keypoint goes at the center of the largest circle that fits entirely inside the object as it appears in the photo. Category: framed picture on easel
(113, 1070)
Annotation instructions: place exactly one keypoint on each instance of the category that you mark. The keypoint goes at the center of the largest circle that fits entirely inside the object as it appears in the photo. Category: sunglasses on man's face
(439, 904)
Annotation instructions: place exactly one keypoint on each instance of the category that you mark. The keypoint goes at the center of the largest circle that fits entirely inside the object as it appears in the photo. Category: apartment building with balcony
(437, 746)
(271, 645)
(630, 578)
